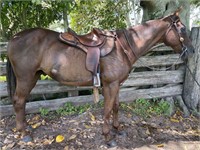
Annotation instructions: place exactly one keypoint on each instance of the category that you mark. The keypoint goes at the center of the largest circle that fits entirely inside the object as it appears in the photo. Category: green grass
(147, 108)
(43, 77)
(44, 112)
(67, 109)
(142, 107)
(70, 109)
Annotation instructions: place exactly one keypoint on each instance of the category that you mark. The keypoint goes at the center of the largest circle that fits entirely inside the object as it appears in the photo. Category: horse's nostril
(193, 50)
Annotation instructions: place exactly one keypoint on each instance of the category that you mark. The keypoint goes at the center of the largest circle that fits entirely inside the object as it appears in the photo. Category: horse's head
(176, 36)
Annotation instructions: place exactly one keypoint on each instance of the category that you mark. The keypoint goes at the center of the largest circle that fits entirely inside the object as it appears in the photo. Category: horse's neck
(147, 35)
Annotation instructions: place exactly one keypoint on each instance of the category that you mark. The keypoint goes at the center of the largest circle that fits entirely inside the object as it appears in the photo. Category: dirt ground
(85, 132)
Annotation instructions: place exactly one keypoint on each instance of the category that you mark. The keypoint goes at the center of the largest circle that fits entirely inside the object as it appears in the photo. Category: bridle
(181, 39)
(172, 25)
(184, 48)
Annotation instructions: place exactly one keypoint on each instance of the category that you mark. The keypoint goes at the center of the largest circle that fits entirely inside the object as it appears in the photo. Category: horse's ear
(178, 11)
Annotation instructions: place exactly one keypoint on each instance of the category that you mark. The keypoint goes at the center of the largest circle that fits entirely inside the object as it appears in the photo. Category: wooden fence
(142, 82)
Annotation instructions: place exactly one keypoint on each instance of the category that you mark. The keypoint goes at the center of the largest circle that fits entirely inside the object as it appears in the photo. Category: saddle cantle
(94, 38)
(96, 44)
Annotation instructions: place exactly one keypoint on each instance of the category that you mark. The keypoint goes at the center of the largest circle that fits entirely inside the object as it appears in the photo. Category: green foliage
(45, 77)
(70, 109)
(105, 14)
(198, 22)
(44, 111)
(147, 108)
(20, 15)
(195, 2)
(83, 15)
(2, 78)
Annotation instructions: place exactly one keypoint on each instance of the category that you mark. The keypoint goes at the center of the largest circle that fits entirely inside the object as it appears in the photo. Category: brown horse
(39, 51)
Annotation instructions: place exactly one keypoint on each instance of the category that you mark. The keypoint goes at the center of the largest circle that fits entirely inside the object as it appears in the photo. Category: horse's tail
(11, 79)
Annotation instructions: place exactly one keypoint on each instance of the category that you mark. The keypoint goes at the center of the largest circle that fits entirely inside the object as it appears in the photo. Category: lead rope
(156, 69)
(193, 77)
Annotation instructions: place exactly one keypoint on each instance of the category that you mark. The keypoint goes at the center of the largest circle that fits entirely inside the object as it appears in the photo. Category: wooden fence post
(191, 91)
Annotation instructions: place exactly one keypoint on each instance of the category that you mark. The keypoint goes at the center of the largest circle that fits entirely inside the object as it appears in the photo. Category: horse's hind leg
(23, 89)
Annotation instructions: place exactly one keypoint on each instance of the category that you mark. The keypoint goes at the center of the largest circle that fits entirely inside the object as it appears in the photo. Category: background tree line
(81, 15)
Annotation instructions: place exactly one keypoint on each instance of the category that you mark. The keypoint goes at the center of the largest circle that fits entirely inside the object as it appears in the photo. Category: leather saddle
(96, 44)
(92, 39)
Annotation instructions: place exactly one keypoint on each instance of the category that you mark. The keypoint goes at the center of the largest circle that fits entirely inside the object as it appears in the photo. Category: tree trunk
(191, 92)
(65, 19)
(159, 8)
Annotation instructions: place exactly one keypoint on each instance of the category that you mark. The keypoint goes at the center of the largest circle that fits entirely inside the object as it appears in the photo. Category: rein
(143, 64)
(184, 50)
(173, 24)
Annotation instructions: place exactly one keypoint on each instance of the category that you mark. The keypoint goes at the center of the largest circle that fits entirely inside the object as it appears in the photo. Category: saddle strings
(125, 50)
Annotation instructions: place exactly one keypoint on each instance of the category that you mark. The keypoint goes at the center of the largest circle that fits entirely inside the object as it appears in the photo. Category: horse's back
(30, 40)
(31, 36)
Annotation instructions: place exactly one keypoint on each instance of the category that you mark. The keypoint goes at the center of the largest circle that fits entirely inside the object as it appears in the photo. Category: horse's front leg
(110, 92)
(115, 112)
(116, 123)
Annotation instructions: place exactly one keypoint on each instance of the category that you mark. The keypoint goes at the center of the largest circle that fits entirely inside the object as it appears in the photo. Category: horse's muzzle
(187, 52)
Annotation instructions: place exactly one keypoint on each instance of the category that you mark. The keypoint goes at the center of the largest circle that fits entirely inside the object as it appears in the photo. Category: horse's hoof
(27, 138)
(122, 133)
(112, 143)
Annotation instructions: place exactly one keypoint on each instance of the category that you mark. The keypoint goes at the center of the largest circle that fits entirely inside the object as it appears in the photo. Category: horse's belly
(71, 71)
(69, 76)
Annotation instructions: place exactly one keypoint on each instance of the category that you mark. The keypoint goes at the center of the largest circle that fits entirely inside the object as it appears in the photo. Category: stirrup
(97, 81)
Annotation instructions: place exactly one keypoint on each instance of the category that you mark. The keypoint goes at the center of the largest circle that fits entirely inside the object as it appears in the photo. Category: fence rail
(135, 79)
(126, 95)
